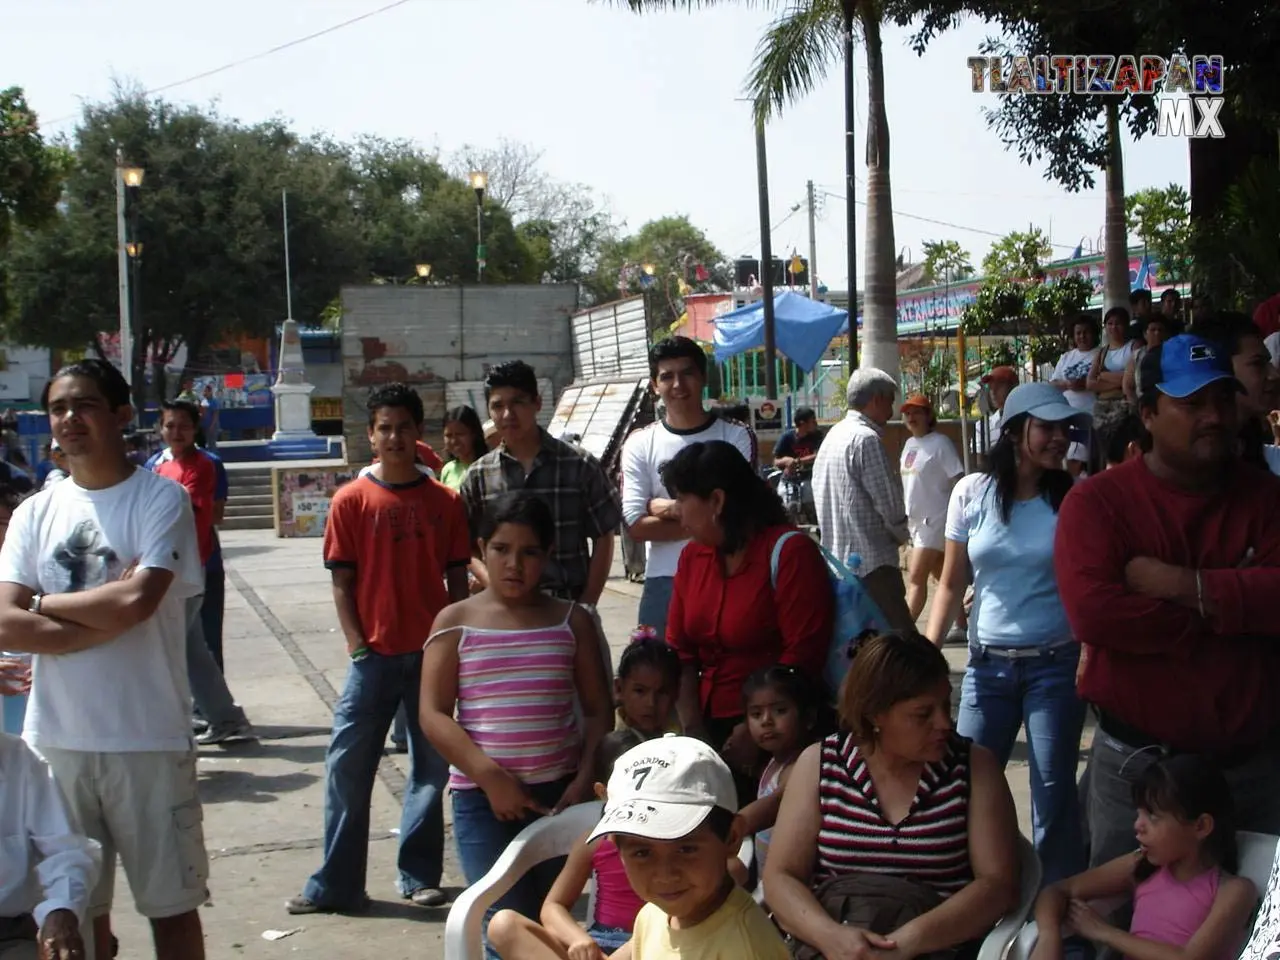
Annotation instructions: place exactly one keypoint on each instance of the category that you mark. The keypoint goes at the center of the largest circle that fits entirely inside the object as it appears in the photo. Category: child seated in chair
(646, 686)
(1187, 905)
(616, 904)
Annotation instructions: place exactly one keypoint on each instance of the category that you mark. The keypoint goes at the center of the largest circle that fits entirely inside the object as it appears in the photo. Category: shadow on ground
(244, 786)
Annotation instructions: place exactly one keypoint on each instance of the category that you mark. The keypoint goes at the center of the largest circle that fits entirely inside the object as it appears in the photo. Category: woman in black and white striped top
(896, 792)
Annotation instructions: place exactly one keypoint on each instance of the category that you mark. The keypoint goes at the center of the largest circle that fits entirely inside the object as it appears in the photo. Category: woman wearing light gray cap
(1022, 655)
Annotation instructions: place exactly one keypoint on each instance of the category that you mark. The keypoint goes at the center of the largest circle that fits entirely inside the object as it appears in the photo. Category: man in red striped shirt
(1169, 566)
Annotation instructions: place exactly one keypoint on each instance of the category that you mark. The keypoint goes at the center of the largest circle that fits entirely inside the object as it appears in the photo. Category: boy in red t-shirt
(397, 545)
(188, 465)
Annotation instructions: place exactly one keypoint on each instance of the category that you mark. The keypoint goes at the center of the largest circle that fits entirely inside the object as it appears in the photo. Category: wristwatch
(34, 606)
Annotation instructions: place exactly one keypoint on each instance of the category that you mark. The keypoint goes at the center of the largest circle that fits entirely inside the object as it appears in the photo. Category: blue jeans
(655, 599)
(399, 726)
(375, 688)
(15, 710)
(481, 837)
(211, 611)
(998, 697)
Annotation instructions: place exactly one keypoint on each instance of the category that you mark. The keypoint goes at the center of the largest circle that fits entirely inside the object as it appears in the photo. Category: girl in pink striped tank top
(502, 674)
(1186, 903)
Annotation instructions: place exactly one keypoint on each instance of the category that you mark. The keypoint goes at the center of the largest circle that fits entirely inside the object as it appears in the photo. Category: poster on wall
(302, 496)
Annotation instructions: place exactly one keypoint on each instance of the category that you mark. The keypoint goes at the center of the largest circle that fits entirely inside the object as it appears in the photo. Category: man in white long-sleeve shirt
(857, 490)
(47, 870)
(679, 371)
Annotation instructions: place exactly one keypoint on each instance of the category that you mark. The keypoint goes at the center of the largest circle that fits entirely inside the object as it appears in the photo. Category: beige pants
(145, 808)
(887, 589)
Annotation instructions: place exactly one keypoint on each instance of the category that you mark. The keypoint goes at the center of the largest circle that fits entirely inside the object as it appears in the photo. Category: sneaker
(400, 746)
(428, 897)
(233, 732)
(199, 725)
(957, 636)
(303, 905)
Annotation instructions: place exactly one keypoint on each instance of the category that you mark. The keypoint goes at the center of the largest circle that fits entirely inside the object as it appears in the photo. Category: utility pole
(813, 244)
(122, 266)
(850, 185)
(766, 265)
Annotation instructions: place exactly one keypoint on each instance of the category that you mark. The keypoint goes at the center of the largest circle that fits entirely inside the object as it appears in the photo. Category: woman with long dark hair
(464, 444)
(1022, 655)
(730, 614)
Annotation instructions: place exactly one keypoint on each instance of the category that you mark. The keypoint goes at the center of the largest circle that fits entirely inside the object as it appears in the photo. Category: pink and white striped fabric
(516, 701)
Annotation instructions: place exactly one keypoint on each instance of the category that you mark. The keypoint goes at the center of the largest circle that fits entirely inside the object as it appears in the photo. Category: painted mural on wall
(302, 496)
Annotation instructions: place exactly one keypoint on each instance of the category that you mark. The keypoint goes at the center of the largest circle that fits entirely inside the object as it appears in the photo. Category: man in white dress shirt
(47, 870)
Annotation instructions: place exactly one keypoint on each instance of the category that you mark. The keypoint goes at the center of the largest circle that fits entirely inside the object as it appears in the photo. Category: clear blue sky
(642, 109)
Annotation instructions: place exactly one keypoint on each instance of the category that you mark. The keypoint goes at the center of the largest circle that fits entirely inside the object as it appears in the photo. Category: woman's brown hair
(885, 671)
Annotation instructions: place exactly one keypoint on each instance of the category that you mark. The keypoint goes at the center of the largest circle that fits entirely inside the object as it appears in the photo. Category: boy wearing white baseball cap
(672, 811)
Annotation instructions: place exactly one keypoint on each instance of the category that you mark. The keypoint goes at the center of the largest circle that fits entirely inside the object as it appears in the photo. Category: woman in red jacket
(727, 617)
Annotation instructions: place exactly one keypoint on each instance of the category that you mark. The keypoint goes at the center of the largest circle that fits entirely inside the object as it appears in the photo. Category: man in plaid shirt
(583, 500)
(857, 491)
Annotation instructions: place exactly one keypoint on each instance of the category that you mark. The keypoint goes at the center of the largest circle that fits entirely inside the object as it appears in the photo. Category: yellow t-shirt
(739, 930)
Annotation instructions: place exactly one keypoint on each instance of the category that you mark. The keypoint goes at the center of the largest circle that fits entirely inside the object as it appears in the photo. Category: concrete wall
(433, 336)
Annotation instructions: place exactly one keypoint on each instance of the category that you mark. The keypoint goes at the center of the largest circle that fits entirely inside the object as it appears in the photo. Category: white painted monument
(291, 391)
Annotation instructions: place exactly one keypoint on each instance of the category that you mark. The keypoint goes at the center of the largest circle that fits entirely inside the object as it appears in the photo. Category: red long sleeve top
(1194, 683)
(729, 627)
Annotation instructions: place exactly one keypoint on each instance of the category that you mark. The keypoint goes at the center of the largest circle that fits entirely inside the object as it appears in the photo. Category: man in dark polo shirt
(1169, 568)
(582, 499)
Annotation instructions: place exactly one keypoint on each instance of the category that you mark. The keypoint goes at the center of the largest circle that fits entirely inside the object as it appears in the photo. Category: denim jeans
(209, 691)
(376, 686)
(400, 726)
(999, 696)
(655, 599)
(15, 710)
(212, 610)
(481, 838)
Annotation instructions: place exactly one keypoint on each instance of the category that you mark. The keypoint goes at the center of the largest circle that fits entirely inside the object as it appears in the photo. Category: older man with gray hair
(857, 490)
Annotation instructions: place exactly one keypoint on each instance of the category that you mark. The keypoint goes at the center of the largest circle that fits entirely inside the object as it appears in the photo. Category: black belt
(1135, 739)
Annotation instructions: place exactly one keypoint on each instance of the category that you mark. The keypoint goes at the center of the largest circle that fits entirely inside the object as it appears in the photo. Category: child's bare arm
(1112, 879)
(1222, 931)
(761, 814)
(556, 913)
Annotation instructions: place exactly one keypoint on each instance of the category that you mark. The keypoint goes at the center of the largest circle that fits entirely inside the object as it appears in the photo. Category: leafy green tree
(794, 55)
(1161, 219)
(1016, 299)
(31, 174)
(945, 261)
(677, 253)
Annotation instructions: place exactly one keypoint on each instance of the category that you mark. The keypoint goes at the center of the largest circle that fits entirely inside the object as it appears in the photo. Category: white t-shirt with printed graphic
(130, 694)
(929, 464)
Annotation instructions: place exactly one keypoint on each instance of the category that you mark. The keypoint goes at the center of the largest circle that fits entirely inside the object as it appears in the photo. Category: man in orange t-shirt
(397, 545)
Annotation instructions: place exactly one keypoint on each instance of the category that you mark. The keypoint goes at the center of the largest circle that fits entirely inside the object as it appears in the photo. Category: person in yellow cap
(930, 467)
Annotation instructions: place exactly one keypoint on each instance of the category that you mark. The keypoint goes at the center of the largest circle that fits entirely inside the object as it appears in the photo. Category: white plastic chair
(1257, 857)
(542, 840)
(998, 941)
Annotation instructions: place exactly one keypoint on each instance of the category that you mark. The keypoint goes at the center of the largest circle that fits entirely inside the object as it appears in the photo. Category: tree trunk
(1116, 264)
(880, 299)
(849, 13)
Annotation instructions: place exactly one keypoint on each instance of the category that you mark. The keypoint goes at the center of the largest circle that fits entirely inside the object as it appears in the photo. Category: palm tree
(793, 57)
(1115, 291)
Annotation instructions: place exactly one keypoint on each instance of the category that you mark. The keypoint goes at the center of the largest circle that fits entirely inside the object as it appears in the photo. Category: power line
(944, 223)
(796, 208)
(250, 59)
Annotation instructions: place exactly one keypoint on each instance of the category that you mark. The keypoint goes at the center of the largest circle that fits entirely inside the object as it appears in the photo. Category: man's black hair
(395, 395)
(1138, 296)
(10, 497)
(1113, 434)
(677, 348)
(1173, 292)
(185, 406)
(515, 374)
(1227, 329)
(110, 381)
(803, 415)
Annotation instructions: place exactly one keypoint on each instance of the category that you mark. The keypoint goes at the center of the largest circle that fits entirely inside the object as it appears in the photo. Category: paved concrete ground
(264, 802)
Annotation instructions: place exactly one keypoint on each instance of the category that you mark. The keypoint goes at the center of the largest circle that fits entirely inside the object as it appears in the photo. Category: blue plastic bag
(856, 615)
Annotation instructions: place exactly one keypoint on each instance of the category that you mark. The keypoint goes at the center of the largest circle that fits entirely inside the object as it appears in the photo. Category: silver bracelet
(1200, 594)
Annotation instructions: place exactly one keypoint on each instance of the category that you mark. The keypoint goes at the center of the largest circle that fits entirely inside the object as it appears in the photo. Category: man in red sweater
(1169, 568)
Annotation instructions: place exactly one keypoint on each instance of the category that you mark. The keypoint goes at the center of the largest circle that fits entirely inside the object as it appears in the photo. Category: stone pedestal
(293, 411)
(291, 391)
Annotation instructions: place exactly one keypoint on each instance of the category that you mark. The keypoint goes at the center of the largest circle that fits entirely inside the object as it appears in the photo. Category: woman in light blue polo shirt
(1022, 656)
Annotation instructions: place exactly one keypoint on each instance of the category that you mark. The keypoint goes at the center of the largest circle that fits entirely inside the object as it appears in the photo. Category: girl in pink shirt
(616, 904)
(1187, 904)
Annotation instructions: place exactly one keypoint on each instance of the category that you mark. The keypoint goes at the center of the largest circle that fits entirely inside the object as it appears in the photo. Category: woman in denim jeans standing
(1022, 656)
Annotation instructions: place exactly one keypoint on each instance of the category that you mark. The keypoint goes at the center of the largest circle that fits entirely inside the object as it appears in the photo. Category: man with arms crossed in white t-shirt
(679, 371)
(94, 576)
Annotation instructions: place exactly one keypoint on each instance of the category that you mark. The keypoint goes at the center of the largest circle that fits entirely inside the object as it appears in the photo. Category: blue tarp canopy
(803, 328)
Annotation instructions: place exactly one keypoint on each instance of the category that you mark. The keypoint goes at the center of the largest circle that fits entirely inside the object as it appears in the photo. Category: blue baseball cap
(1186, 364)
(1045, 402)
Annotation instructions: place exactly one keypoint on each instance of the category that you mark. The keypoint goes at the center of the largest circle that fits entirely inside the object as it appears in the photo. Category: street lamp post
(479, 183)
(128, 184)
